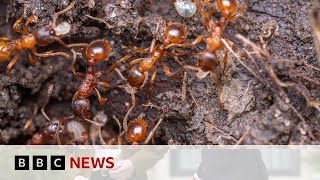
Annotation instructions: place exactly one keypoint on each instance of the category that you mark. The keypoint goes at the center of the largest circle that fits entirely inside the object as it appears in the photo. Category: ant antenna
(50, 89)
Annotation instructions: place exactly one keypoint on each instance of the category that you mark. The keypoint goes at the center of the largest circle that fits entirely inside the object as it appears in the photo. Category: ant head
(97, 50)
(136, 78)
(175, 33)
(80, 107)
(37, 139)
(227, 7)
(137, 130)
(50, 130)
(45, 35)
(207, 61)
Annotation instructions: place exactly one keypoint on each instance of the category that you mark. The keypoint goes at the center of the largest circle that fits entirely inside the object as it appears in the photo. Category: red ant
(208, 60)
(136, 131)
(42, 36)
(51, 132)
(95, 52)
(174, 33)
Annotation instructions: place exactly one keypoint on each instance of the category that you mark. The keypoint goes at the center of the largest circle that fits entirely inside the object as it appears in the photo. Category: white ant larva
(185, 8)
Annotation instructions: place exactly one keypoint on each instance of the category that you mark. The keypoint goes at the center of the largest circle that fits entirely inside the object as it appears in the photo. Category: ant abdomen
(175, 33)
(80, 107)
(227, 7)
(97, 50)
(208, 61)
(45, 35)
(137, 130)
(5, 51)
(136, 78)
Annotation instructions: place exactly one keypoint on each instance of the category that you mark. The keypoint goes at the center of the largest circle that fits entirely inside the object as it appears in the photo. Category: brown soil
(252, 114)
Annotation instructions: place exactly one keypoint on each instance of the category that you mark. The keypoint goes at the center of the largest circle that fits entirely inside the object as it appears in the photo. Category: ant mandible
(95, 52)
(42, 36)
(208, 59)
(50, 133)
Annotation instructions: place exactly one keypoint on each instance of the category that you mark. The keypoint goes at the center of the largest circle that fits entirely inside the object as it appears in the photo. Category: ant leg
(57, 134)
(205, 17)
(211, 8)
(225, 58)
(51, 54)
(104, 84)
(13, 61)
(15, 26)
(32, 58)
(240, 12)
(135, 61)
(151, 134)
(192, 68)
(5, 39)
(225, 61)
(153, 78)
(75, 44)
(29, 121)
(102, 100)
(125, 120)
(217, 80)
(48, 54)
(62, 43)
(75, 96)
(72, 66)
(50, 89)
(168, 72)
(176, 54)
(57, 14)
(32, 19)
(114, 65)
(152, 46)
(177, 59)
(120, 74)
(99, 129)
(137, 49)
(17, 22)
(196, 41)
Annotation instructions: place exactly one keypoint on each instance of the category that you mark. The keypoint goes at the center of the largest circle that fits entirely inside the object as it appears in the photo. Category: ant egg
(63, 28)
(185, 8)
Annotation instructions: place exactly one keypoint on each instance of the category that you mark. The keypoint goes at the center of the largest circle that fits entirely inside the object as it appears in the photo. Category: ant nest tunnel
(159, 72)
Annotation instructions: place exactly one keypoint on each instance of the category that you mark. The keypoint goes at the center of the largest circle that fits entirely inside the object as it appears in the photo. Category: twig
(109, 26)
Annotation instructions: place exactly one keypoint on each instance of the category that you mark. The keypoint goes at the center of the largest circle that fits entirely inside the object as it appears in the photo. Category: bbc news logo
(59, 162)
(39, 163)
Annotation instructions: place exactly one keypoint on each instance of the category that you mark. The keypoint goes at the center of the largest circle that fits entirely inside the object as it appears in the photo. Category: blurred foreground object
(315, 24)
